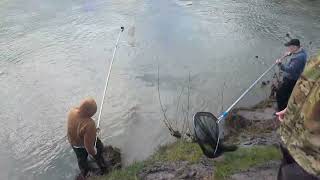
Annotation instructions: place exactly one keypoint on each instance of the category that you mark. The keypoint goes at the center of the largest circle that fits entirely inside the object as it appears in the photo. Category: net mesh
(206, 130)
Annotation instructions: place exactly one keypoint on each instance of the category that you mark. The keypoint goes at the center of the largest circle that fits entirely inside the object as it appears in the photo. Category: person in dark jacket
(292, 71)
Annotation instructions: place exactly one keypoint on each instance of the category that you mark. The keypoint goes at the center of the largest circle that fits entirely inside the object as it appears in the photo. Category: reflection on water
(54, 53)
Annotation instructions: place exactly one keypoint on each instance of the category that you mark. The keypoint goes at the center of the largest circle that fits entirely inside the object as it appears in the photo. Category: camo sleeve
(300, 130)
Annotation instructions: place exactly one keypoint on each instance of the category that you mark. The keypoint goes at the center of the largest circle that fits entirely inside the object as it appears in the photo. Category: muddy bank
(267, 171)
(178, 170)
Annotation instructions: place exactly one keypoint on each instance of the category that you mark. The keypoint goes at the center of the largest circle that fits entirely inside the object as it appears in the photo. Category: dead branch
(188, 131)
(178, 104)
(165, 120)
(185, 126)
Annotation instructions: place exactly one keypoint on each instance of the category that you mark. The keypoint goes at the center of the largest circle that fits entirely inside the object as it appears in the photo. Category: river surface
(54, 53)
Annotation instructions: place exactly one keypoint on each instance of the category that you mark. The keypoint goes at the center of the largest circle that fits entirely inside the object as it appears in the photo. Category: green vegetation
(128, 173)
(230, 163)
(179, 151)
(243, 159)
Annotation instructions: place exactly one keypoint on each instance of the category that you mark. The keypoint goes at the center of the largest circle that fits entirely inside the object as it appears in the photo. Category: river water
(54, 53)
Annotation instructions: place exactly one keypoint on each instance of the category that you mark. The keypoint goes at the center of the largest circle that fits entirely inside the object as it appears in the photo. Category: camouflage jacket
(300, 130)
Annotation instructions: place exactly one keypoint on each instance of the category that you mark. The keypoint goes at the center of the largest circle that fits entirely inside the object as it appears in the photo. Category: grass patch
(243, 159)
(178, 151)
(128, 173)
(233, 162)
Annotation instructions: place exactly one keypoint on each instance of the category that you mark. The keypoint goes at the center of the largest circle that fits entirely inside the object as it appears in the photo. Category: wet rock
(192, 174)
(267, 171)
(253, 126)
(257, 115)
(188, 175)
(235, 122)
(112, 155)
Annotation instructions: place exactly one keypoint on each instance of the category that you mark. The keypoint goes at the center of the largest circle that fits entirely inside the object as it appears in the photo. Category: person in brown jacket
(82, 134)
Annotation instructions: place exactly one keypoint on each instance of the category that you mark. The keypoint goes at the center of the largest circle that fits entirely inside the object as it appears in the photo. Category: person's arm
(90, 138)
(292, 68)
(286, 54)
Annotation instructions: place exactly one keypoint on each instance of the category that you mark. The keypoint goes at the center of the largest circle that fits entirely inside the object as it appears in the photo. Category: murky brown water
(54, 53)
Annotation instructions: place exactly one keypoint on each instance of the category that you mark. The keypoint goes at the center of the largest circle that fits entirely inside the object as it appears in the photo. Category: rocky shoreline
(253, 129)
(253, 126)
(247, 127)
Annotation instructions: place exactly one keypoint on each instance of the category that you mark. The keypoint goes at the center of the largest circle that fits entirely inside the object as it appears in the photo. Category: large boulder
(112, 155)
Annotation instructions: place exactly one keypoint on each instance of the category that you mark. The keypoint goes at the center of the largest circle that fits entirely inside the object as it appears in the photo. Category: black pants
(82, 156)
(290, 170)
(284, 93)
